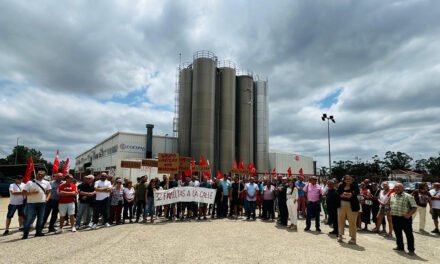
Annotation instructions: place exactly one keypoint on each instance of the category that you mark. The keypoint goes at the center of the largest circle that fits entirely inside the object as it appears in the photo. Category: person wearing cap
(16, 203)
(38, 193)
(67, 193)
(313, 193)
(86, 199)
(52, 204)
(103, 189)
(116, 202)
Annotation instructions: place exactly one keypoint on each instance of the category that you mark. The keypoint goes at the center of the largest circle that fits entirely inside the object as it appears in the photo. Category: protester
(116, 202)
(251, 189)
(313, 193)
(217, 208)
(268, 201)
(225, 188)
(16, 203)
(375, 193)
(349, 207)
(38, 193)
(236, 189)
(203, 207)
(282, 202)
(403, 206)
(384, 210)
(333, 203)
(67, 195)
(292, 205)
(366, 203)
(86, 198)
(52, 204)
(435, 209)
(322, 201)
(173, 183)
(423, 198)
(140, 195)
(129, 194)
(301, 196)
(152, 187)
(103, 188)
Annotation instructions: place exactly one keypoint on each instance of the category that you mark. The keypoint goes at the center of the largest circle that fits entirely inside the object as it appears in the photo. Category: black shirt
(85, 187)
(333, 200)
(235, 186)
(354, 190)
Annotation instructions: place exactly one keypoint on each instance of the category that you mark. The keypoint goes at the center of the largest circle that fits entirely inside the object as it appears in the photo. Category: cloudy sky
(74, 72)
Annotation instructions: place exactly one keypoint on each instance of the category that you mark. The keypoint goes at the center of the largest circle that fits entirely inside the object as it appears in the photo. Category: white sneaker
(94, 227)
(90, 225)
(60, 231)
(73, 229)
(107, 225)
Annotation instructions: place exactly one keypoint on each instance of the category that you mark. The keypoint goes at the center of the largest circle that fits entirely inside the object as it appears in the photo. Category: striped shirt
(402, 203)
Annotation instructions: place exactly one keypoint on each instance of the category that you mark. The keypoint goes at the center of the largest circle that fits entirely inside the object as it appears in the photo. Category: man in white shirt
(38, 193)
(15, 203)
(435, 210)
(251, 189)
(103, 188)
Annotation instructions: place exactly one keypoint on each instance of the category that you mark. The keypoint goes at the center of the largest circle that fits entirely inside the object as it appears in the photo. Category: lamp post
(16, 152)
(328, 118)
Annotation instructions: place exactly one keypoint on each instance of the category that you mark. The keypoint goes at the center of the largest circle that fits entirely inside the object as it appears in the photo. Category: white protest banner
(184, 194)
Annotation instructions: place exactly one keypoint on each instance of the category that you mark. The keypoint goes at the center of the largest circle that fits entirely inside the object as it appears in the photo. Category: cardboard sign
(168, 163)
(184, 194)
(184, 163)
(204, 168)
(149, 163)
(240, 171)
(130, 164)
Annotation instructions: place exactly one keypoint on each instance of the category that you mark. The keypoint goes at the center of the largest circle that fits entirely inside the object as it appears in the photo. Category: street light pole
(16, 152)
(328, 118)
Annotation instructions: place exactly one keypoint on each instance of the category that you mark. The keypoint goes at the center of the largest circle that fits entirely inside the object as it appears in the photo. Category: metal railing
(204, 54)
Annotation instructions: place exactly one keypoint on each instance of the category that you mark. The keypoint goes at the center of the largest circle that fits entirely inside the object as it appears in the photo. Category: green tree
(433, 165)
(397, 161)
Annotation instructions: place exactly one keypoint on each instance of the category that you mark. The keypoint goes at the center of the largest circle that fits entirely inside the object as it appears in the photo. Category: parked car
(409, 187)
(4, 186)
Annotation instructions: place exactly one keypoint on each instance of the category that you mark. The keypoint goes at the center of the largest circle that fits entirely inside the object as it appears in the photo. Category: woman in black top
(349, 207)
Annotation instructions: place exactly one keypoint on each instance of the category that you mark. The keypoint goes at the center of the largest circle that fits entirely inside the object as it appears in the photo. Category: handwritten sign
(204, 168)
(130, 164)
(184, 163)
(150, 163)
(168, 163)
(240, 171)
(184, 194)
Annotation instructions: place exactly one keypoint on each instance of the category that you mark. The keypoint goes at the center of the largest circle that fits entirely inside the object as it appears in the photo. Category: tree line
(381, 168)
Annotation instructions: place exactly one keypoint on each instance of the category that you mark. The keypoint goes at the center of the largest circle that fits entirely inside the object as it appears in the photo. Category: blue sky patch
(330, 99)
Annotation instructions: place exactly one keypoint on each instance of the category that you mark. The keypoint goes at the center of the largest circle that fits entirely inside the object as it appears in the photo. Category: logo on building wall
(132, 148)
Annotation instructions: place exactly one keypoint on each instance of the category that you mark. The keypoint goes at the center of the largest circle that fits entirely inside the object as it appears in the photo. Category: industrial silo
(185, 99)
(203, 106)
(226, 107)
(261, 126)
(244, 118)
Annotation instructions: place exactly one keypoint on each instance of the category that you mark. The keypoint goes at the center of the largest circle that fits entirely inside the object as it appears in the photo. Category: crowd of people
(105, 200)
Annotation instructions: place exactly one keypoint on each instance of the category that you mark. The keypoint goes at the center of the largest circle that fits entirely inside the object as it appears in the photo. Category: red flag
(56, 163)
(289, 172)
(202, 161)
(65, 170)
(241, 166)
(219, 175)
(296, 157)
(235, 164)
(274, 172)
(390, 193)
(187, 173)
(301, 172)
(29, 169)
(251, 168)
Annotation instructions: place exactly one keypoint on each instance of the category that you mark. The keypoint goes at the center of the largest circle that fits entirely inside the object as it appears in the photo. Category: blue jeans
(83, 207)
(313, 210)
(34, 210)
(149, 207)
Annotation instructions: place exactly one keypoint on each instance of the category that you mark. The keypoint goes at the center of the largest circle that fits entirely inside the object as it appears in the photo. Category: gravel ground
(210, 241)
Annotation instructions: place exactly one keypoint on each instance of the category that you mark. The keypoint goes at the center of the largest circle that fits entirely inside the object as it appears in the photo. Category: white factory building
(108, 154)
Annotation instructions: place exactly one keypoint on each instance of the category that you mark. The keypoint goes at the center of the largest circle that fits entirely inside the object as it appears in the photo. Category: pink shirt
(313, 192)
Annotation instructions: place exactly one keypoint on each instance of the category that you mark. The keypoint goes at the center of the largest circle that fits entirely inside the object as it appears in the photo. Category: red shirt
(67, 188)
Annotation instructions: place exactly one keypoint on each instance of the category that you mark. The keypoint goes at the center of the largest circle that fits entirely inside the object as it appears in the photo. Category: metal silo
(185, 99)
(244, 119)
(227, 104)
(261, 126)
(203, 106)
